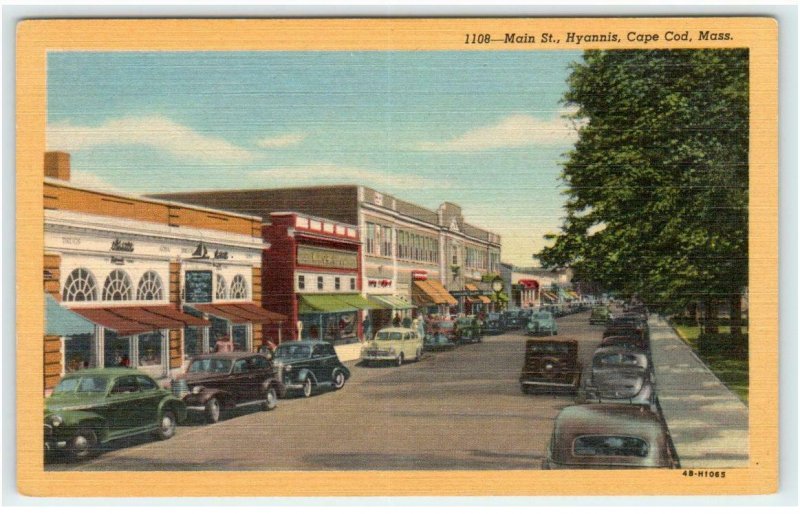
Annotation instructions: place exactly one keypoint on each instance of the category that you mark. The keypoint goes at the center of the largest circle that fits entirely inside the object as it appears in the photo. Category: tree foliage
(657, 184)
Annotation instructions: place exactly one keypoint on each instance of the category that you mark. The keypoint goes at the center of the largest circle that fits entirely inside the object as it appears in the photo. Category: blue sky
(481, 129)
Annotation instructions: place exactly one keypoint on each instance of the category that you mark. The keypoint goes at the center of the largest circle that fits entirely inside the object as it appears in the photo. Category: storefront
(528, 293)
(430, 296)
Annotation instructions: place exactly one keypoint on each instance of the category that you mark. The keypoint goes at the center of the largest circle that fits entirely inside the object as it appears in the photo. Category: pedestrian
(396, 321)
(124, 361)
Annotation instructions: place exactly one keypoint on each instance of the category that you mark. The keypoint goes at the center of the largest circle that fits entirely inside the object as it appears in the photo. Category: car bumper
(378, 357)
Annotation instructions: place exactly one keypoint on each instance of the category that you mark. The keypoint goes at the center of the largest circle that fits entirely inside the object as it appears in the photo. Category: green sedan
(94, 406)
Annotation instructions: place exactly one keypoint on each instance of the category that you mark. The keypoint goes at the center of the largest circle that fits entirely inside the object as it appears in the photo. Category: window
(145, 383)
(117, 350)
(150, 287)
(124, 385)
(79, 352)
(455, 256)
(370, 238)
(386, 249)
(301, 281)
(337, 283)
(320, 283)
(352, 284)
(222, 288)
(240, 338)
(192, 341)
(117, 287)
(239, 288)
(80, 286)
(150, 349)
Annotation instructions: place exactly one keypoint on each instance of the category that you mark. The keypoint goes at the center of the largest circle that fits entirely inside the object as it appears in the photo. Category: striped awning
(127, 321)
(431, 292)
(240, 312)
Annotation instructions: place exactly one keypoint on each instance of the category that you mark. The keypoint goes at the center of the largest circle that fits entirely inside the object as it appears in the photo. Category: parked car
(222, 381)
(393, 345)
(620, 376)
(551, 363)
(628, 328)
(542, 323)
(604, 436)
(91, 407)
(440, 333)
(303, 366)
(514, 319)
(468, 330)
(600, 314)
(494, 324)
(631, 341)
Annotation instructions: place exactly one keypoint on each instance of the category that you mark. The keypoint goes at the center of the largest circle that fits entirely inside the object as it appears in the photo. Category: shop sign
(117, 245)
(322, 258)
(198, 286)
(220, 254)
(382, 282)
(419, 275)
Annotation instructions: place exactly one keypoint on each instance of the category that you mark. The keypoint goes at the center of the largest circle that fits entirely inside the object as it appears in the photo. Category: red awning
(127, 321)
(241, 312)
(529, 283)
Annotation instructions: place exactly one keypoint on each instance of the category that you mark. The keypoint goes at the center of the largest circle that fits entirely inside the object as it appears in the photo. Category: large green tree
(657, 182)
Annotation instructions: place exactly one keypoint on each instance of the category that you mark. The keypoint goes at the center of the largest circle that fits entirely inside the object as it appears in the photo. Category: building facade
(530, 286)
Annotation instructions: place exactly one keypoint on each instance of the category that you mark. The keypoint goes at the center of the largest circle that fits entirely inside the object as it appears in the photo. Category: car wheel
(213, 410)
(270, 398)
(399, 361)
(167, 425)
(308, 387)
(82, 444)
(338, 380)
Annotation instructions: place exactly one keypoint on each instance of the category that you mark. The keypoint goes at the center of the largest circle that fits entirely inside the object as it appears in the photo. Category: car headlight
(56, 421)
(197, 389)
(287, 368)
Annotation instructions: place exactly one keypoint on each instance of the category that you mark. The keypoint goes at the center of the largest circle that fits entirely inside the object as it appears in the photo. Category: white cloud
(281, 141)
(515, 131)
(333, 174)
(92, 181)
(153, 131)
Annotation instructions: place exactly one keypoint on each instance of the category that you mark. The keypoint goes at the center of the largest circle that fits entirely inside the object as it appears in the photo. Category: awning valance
(529, 283)
(127, 321)
(240, 312)
(431, 292)
(392, 302)
(471, 287)
(311, 303)
(60, 321)
(479, 299)
(549, 296)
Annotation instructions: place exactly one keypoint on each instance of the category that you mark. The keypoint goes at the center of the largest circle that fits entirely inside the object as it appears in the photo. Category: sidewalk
(708, 423)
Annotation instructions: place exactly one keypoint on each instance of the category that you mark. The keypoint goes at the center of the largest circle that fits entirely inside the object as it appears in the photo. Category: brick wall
(175, 283)
(52, 275)
(52, 361)
(175, 351)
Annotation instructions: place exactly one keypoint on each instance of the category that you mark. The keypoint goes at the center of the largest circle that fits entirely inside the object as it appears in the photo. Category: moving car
(631, 341)
(94, 406)
(542, 323)
(440, 333)
(620, 375)
(551, 364)
(494, 324)
(468, 330)
(600, 314)
(227, 380)
(609, 437)
(308, 364)
(393, 345)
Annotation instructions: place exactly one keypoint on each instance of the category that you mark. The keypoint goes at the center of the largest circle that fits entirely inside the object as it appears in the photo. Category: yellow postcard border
(36, 37)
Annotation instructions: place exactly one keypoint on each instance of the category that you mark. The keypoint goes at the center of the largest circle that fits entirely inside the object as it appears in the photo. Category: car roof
(606, 350)
(604, 418)
(397, 329)
(306, 342)
(228, 355)
(112, 372)
(554, 339)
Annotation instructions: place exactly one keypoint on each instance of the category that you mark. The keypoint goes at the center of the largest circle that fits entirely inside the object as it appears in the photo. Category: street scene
(351, 261)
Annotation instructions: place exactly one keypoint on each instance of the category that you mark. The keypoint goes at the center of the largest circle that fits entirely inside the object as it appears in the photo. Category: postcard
(397, 257)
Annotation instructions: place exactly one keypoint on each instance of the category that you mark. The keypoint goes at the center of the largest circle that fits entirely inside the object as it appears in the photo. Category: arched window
(80, 286)
(239, 288)
(150, 287)
(117, 287)
(222, 288)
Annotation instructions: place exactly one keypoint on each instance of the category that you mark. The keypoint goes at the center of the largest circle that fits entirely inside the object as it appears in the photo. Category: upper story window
(370, 239)
(352, 284)
(337, 283)
(320, 283)
(222, 288)
(301, 281)
(80, 286)
(238, 288)
(386, 245)
(117, 287)
(150, 287)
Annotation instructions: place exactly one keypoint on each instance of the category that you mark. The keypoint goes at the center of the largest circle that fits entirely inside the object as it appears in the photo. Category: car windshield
(293, 351)
(389, 336)
(210, 365)
(610, 445)
(549, 348)
(88, 384)
(618, 359)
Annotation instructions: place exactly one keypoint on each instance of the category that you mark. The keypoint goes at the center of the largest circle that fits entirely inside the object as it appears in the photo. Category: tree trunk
(736, 316)
(711, 321)
(692, 315)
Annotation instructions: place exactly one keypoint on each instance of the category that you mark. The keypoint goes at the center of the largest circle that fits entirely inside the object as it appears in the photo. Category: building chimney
(56, 165)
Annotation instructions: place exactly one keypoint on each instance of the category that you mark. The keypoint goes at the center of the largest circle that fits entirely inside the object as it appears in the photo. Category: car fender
(305, 373)
(343, 369)
(279, 387)
(225, 398)
(75, 419)
(175, 405)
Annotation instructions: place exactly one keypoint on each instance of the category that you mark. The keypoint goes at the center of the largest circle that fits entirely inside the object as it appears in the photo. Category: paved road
(461, 409)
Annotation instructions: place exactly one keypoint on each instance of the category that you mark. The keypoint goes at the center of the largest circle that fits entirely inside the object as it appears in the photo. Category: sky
(484, 130)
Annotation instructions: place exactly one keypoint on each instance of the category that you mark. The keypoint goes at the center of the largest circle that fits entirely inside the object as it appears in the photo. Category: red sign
(419, 274)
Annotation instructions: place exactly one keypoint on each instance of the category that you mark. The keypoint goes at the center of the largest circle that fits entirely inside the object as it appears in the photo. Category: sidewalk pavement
(708, 423)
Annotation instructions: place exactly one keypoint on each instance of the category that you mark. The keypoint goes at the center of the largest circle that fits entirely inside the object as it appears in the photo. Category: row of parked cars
(616, 422)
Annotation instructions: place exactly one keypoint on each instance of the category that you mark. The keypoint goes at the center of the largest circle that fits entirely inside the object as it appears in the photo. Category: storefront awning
(315, 303)
(479, 299)
(127, 321)
(392, 302)
(529, 283)
(431, 292)
(549, 296)
(240, 312)
(470, 287)
(60, 321)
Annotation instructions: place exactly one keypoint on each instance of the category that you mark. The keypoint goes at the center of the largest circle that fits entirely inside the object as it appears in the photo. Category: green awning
(310, 303)
(358, 301)
(60, 321)
(392, 302)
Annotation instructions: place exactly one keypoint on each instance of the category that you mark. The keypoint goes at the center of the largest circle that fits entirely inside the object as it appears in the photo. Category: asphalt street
(460, 409)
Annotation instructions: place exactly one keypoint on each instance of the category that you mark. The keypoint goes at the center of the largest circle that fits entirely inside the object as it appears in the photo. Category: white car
(396, 345)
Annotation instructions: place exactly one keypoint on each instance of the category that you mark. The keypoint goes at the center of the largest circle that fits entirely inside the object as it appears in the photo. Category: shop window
(320, 283)
(337, 283)
(79, 352)
(118, 287)
(219, 329)
(352, 284)
(193, 342)
(150, 349)
(222, 288)
(117, 350)
(301, 282)
(240, 338)
(80, 286)
(239, 288)
(150, 287)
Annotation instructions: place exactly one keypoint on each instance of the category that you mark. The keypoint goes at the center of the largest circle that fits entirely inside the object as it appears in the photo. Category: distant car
(604, 436)
(628, 328)
(620, 376)
(551, 363)
(440, 334)
(542, 323)
(395, 345)
(494, 324)
(222, 381)
(468, 330)
(306, 365)
(600, 314)
(514, 319)
(94, 406)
